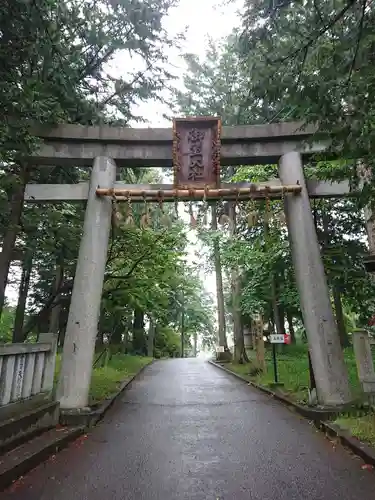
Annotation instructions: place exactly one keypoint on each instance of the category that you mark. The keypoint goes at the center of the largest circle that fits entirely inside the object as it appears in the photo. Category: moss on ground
(106, 380)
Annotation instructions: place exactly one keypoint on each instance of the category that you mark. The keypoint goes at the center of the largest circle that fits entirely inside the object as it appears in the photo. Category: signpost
(278, 339)
(259, 342)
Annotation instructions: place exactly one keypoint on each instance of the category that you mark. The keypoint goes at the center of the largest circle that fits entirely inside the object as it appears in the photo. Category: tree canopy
(293, 61)
(59, 62)
(88, 63)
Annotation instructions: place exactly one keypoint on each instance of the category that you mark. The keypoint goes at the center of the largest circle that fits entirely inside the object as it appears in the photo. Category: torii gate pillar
(326, 354)
(81, 331)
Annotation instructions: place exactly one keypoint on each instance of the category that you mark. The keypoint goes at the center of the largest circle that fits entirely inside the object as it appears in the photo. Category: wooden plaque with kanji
(196, 152)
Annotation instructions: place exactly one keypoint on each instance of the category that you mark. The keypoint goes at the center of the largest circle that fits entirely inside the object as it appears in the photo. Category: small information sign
(280, 339)
(277, 339)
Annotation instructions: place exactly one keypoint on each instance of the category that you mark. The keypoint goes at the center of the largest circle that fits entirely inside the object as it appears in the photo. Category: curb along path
(186, 430)
(362, 450)
(26, 457)
(91, 418)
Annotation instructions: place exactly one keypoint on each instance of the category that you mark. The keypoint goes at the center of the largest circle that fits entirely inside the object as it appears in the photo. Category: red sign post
(287, 338)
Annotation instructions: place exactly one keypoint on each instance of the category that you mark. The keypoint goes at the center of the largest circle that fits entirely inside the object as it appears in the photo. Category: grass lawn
(105, 381)
(293, 370)
(362, 428)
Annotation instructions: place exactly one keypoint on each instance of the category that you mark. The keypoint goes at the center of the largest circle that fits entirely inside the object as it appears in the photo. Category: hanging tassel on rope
(225, 219)
(145, 217)
(116, 217)
(252, 218)
(193, 220)
(267, 214)
(253, 215)
(205, 207)
(165, 220)
(282, 217)
(129, 220)
(176, 208)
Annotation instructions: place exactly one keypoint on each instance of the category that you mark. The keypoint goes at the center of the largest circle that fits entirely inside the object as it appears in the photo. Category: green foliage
(141, 276)
(167, 342)
(293, 369)
(363, 427)
(313, 60)
(105, 381)
(6, 324)
(279, 67)
(57, 64)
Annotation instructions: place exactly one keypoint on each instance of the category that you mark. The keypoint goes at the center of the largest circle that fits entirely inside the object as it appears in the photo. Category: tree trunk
(54, 319)
(99, 342)
(195, 341)
(289, 318)
(61, 335)
(6, 255)
(240, 355)
(127, 334)
(281, 311)
(150, 339)
(116, 337)
(279, 327)
(139, 340)
(253, 334)
(18, 334)
(344, 338)
(183, 331)
(219, 284)
(45, 311)
(259, 344)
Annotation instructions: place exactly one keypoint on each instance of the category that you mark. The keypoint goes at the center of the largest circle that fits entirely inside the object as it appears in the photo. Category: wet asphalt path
(186, 430)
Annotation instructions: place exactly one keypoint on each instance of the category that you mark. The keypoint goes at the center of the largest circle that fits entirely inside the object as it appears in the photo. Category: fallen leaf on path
(367, 467)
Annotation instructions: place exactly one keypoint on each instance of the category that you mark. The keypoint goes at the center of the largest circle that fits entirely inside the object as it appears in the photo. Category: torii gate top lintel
(77, 145)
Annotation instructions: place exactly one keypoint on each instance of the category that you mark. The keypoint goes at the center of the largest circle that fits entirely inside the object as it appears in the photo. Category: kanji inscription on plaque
(196, 152)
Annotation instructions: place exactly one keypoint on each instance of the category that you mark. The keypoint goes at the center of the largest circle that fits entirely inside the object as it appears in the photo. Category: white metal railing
(27, 369)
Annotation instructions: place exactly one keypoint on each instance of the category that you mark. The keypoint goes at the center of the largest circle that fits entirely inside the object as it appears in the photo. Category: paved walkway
(185, 430)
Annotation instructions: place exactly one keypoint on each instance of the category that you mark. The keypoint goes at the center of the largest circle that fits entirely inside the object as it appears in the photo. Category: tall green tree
(255, 95)
(313, 60)
(56, 65)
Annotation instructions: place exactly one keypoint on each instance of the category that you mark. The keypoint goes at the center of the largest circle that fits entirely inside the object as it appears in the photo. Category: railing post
(364, 362)
(49, 361)
(28, 375)
(18, 376)
(7, 374)
(81, 331)
(326, 353)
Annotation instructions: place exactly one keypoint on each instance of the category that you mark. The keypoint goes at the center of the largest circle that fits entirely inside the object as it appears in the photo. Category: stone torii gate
(106, 149)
